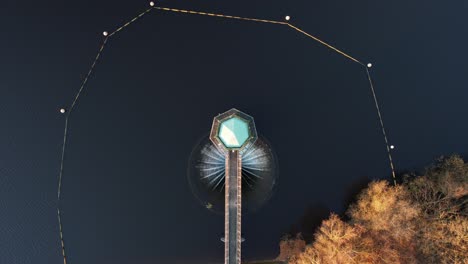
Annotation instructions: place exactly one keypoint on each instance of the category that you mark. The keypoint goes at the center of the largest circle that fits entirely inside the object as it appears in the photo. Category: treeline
(422, 220)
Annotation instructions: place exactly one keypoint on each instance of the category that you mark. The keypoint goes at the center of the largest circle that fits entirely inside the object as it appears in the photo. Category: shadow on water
(315, 213)
(351, 194)
(313, 216)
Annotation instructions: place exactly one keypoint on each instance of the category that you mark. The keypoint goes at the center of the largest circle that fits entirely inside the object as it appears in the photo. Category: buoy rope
(384, 133)
(153, 7)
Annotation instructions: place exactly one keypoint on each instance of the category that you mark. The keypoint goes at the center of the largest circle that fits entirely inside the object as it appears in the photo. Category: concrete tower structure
(232, 133)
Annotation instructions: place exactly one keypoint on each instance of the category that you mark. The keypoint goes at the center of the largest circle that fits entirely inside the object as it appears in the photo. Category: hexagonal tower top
(233, 130)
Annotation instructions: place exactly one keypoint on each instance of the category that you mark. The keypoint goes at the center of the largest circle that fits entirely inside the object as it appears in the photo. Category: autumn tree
(335, 242)
(291, 246)
(388, 217)
(422, 220)
(442, 193)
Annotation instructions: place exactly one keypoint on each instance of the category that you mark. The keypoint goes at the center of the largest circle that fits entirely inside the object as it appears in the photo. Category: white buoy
(287, 18)
(151, 3)
(369, 65)
(105, 33)
(62, 110)
(392, 147)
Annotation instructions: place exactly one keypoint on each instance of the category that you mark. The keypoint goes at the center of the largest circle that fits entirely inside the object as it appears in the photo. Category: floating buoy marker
(62, 110)
(151, 3)
(287, 18)
(392, 147)
(105, 33)
(369, 65)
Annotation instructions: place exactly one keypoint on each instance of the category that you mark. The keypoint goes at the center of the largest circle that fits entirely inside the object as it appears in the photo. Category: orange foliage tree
(423, 220)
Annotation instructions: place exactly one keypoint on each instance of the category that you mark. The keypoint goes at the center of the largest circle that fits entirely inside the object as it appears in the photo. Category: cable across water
(108, 36)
